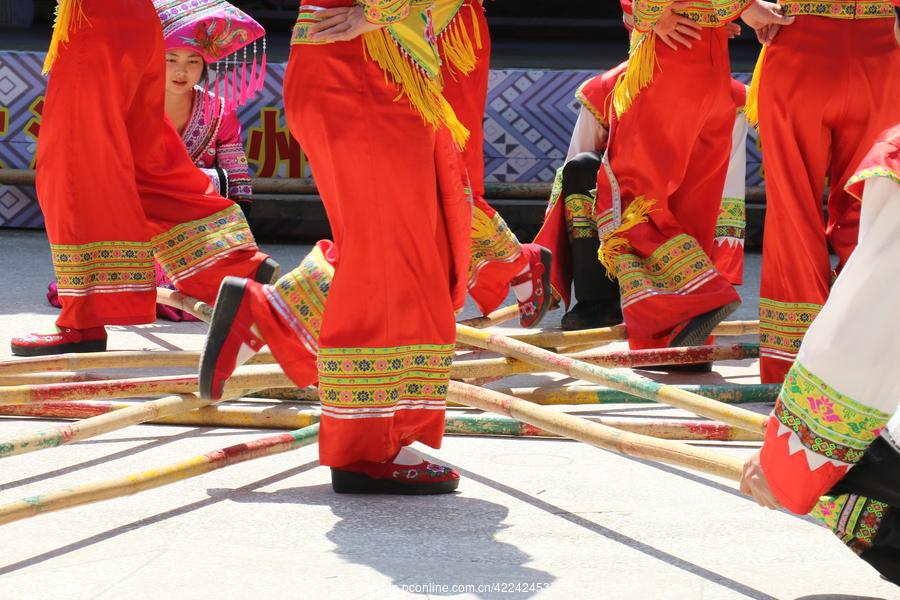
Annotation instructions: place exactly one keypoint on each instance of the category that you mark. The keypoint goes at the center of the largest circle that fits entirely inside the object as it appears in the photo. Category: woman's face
(183, 71)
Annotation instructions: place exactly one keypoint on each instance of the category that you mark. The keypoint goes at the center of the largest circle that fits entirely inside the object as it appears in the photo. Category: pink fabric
(212, 28)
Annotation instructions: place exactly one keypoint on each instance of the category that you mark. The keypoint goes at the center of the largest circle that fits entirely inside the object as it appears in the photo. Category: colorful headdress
(217, 31)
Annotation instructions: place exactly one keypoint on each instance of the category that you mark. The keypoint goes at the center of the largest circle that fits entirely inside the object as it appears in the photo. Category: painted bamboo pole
(550, 339)
(243, 379)
(204, 311)
(501, 315)
(592, 394)
(52, 377)
(98, 425)
(153, 478)
(619, 379)
(617, 333)
(579, 394)
(219, 415)
(144, 359)
(495, 367)
(457, 423)
(595, 434)
(666, 429)
(14, 372)
(192, 306)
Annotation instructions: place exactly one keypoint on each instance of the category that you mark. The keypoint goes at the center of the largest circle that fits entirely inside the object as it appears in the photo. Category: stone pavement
(534, 518)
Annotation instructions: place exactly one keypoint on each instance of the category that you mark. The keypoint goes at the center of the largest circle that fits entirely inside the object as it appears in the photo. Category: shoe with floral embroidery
(532, 310)
(64, 339)
(365, 477)
(230, 341)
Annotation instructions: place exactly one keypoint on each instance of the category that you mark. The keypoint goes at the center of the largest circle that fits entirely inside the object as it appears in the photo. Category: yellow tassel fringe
(423, 92)
(69, 16)
(639, 72)
(613, 244)
(460, 46)
(751, 107)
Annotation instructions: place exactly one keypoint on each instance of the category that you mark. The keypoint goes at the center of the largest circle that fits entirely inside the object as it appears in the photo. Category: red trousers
(116, 184)
(669, 152)
(828, 87)
(496, 252)
(393, 190)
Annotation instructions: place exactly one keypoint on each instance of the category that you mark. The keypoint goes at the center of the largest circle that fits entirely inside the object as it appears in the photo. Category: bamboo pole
(579, 394)
(204, 311)
(192, 306)
(501, 315)
(597, 435)
(619, 379)
(286, 417)
(218, 415)
(617, 333)
(506, 366)
(243, 379)
(666, 429)
(465, 369)
(144, 359)
(153, 478)
(52, 377)
(549, 339)
(98, 425)
(592, 394)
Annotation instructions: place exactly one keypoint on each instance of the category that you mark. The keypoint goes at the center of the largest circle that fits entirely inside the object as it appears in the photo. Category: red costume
(828, 84)
(104, 106)
(464, 42)
(660, 186)
(378, 135)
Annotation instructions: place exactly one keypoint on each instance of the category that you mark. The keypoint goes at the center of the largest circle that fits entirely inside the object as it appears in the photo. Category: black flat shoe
(700, 327)
(591, 315)
(267, 272)
(421, 479)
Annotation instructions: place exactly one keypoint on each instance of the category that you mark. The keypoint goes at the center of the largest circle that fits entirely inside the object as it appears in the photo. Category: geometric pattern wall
(529, 118)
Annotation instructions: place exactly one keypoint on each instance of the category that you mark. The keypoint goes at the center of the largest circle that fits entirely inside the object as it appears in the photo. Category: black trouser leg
(597, 295)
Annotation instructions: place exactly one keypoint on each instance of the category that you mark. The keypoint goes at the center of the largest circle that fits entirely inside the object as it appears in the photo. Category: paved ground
(533, 518)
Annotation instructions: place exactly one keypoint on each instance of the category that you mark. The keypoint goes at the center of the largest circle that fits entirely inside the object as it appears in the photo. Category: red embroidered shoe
(230, 341)
(531, 311)
(390, 478)
(65, 339)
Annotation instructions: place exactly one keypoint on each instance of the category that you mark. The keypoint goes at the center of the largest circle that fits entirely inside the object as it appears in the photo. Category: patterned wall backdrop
(529, 118)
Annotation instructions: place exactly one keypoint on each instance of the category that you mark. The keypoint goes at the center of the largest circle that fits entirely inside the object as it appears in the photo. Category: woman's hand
(766, 18)
(732, 29)
(674, 29)
(755, 484)
(341, 24)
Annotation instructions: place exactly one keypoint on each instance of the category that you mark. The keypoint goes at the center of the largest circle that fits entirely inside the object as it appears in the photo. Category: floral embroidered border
(492, 241)
(782, 326)
(827, 422)
(357, 383)
(190, 247)
(732, 220)
(598, 114)
(854, 519)
(299, 297)
(103, 267)
(676, 267)
(840, 9)
(579, 216)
